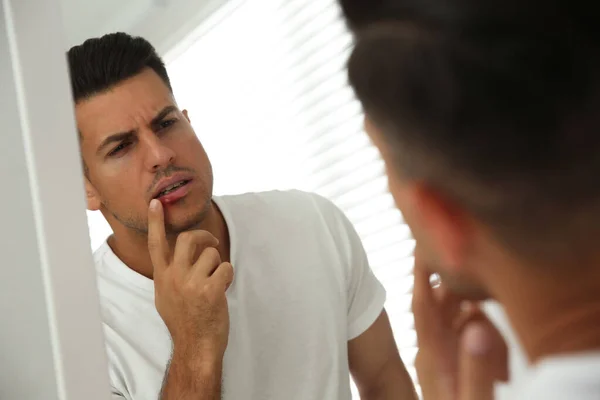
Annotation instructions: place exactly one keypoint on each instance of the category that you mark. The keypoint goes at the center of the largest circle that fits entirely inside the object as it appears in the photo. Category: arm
(190, 296)
(373, 357)
(190, 379)
(376, 367)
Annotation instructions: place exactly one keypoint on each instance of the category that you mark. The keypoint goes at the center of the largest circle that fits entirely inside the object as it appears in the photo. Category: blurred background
(265, 85)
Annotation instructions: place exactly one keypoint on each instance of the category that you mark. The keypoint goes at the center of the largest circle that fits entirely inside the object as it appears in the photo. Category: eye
(167, 123)
(119, 149)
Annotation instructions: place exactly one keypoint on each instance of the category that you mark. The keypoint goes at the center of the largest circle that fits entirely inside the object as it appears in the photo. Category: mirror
(265, 89)
(273, 111)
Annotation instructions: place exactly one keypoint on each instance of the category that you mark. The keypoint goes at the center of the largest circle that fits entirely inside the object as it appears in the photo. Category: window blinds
(266, 85)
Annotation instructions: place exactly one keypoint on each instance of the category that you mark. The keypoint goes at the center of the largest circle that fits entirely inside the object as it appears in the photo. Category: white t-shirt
(302, 289)
(575, 377)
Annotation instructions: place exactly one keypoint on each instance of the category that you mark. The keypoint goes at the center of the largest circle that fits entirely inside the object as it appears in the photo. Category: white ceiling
(163, 22)
(88, 18)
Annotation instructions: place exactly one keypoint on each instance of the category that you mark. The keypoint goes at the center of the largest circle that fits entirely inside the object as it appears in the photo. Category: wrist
(203, 359)
(192, 375)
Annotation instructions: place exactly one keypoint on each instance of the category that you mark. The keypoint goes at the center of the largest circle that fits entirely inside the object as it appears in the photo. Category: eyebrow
(119, 137)
(162, 114)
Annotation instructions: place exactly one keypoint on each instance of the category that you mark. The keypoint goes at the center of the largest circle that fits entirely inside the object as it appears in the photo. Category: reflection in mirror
(259, 89)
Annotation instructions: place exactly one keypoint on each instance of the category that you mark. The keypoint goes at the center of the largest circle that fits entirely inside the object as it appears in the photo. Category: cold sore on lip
(174, 192)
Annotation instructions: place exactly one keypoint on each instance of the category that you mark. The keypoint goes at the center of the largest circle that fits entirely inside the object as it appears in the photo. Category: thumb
(482, 361)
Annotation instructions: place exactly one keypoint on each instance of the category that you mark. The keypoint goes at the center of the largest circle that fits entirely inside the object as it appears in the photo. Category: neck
(132, 247)
(553, 315)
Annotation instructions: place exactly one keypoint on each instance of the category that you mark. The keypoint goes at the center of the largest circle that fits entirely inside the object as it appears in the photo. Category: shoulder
(101, 252)
(282, 205)
(570, 376)
(293, 211)
(290, 210)
(283, 198)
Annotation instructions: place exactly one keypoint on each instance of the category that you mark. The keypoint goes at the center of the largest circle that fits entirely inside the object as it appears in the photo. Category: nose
(158, 155)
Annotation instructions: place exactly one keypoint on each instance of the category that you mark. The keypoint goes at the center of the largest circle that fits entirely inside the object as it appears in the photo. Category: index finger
(157, 237)
(483, 360)
(423, 296)
(424, 305)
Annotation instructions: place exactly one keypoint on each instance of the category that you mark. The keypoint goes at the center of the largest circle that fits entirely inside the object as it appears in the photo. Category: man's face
(134, 142)
(437, 233)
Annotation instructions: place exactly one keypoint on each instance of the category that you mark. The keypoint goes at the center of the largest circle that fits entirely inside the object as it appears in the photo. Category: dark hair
(494, 103)
(101, 63)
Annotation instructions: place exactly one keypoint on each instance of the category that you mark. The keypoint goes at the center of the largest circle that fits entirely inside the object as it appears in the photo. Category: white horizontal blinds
(282, 66)
(231, 79)
(340, 162)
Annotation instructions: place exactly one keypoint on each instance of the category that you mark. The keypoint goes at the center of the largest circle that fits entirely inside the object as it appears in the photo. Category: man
(304, 308)
(487, 115)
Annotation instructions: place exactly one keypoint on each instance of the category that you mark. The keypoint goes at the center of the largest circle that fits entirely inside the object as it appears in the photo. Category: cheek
(397, 191)
(185, 143)
(191, 153)
(404, 202)
(118, 185)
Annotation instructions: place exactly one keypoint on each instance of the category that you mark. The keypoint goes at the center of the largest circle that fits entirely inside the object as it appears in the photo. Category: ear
(441, 224)
(93, 198)
(185, 114)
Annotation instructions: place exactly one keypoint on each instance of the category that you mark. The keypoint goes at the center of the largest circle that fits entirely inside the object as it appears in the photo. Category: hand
(190, 289)
(461, 354)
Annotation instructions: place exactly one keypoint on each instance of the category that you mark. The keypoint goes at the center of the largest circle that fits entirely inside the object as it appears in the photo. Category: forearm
(393, 391)
(393, 384)
(190, 379)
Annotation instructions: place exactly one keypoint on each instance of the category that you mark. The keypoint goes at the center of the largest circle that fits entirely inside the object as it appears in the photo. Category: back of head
(101, 63)
(495, 104)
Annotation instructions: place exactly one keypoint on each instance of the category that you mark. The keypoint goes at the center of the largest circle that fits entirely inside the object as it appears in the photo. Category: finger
(432, 379)
(436, 363)
(206, 264)
(423, 302)
(157, 238)
(190, 245)
(224, 275)
(449, 304)
(469, 312)
(482, 361)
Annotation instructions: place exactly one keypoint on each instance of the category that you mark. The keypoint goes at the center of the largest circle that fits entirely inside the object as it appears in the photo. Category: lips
(172, 188)
(170, 185)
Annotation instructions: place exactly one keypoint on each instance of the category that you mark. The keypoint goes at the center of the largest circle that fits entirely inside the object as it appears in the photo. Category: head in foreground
(487, 115)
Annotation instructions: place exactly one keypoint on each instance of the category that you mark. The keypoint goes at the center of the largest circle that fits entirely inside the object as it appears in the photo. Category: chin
(181, 219)
(179, 226)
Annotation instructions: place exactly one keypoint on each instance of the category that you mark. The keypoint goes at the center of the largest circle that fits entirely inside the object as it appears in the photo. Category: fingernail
(154, 204)
(476, 340)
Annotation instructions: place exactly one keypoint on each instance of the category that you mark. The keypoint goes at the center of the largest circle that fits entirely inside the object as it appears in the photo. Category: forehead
(126, 106)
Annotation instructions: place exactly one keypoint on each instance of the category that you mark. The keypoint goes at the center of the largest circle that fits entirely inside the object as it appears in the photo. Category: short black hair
(494, 103)
(101, 63)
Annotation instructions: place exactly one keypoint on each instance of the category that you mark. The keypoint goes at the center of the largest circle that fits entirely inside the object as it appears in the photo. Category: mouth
(172, 188)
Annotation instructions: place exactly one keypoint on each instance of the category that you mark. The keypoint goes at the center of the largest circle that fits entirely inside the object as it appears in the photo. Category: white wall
(25, 329)
(51, 342)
